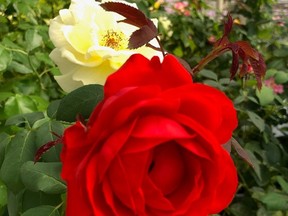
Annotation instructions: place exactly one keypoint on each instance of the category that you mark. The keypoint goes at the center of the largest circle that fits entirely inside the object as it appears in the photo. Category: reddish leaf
(240, 50)
(133, 15)
(248, 50)
(235, 61)
(259, 68)
(234, 66)
(141, 37)
(227, 146)
(224, 41)
(125, 10)
(44, 148)
(228, 25)
(241, 152)
(244, 69)
(184, 64)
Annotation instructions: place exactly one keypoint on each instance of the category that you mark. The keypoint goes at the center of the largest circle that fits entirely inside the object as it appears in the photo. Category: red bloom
(152, 146)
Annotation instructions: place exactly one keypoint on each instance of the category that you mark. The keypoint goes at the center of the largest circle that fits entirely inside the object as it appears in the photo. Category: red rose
(152, 147)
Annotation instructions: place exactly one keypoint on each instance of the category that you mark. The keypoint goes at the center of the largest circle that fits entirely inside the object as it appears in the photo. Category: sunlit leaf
(265, 95)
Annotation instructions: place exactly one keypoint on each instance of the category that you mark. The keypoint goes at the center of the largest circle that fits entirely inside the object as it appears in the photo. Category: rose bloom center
(114, 39)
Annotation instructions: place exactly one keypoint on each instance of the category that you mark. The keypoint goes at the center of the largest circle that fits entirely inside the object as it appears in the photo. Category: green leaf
(256, 120)
(44, 57)
(20, 150)
(42, 211)
(14, 203)
(208, 74)
(27, 118)
(5, 58)
(52, 109)
(43, 177)
(32, 199)
(240, 209)
(265, 95)
(275, 201)
(20, 68)
(40, 103)
(281, 77)
(239, 99)
(178, 51)
(212, 83)
(270, 73)
(19, 104)
(44, 135)
(81, 101)
(4, 140)
(5, 95)
(3, 194)
(283, 183)
(33, 39)
(273, 153)
(280, 52)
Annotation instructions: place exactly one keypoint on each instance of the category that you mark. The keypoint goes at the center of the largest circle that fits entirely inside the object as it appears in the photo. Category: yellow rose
(90, 44)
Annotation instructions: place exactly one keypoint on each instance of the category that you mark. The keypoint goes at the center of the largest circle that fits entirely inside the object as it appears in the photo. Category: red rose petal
(192, 185)
(154, 197)
(227, 185)
(117, 109)
(76, 203)
(74, 148)
(135, 145)
(126, 176)
(209, 107)
(117, 207)
(111, 148)
(168, 168)
(139, 71)
(162, 127)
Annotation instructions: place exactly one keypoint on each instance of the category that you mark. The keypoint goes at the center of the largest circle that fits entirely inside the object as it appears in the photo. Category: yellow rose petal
(79, 37)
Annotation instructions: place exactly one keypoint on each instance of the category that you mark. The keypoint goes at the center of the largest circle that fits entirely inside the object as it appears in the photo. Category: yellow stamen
(114, 39)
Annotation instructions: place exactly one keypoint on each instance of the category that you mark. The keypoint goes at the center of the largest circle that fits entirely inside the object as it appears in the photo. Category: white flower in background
(90, 44)
(166, 24)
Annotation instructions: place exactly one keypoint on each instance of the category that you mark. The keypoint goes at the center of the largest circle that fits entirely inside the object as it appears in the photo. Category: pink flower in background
(277, 88)
(177, 6)
(181, 5)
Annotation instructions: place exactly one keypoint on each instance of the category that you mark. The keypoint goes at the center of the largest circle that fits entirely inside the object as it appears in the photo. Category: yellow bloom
(90, 44)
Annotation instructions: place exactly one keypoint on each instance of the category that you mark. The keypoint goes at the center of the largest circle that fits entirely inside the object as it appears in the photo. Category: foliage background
(27, 89)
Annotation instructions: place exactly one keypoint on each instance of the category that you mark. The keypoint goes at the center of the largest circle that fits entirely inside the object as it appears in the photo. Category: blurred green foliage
(27, 88)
